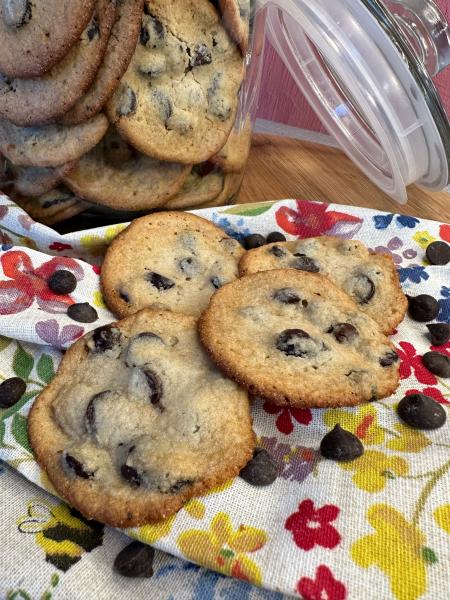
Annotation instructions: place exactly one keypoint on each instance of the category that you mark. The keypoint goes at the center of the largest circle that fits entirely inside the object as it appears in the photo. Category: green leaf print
(249, 210)
(429, 555)
(4, 342)
(45, 368)
(20, 431)
(22, 363)
(17, 595)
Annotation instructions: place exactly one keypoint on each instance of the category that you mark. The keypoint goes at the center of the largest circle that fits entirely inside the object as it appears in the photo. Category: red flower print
(284, 420)
(443, 349)
(59, 246)
(432, 392)
(444, 232)
(310, 526)
(97, 269)
(410, 361)
(323, 587)
(27, 283)
(312, 219)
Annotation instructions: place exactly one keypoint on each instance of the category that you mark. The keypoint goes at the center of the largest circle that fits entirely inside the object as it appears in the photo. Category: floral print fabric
(378, 527)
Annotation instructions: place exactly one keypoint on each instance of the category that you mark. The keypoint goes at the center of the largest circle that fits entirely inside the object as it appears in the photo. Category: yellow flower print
(195, 507)
(361, 421)
(98, 300)
(97, 245)
(373, 469)
(442, 517)
(409, 440)
(155, 531)
(224, 549)
(397, 548)
(423, 238)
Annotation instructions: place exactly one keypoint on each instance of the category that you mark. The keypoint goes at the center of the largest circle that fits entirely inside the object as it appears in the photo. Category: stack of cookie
(129, 105)
(139, 418)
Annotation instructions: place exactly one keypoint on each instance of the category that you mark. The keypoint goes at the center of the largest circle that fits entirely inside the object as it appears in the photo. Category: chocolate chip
(82, 312)
(261, 470)
(135, 560)
(423, 307)
(218, 105)
(155, 387)
(128, 102)
(11, 391)
(124, 296)
(216, 282)
(16, 13)
(131, 475)
(421, 412)
(106, 338)
(62, 282)
(304, 263)
(76, 467)
(296, 342)
(287, 296)
(440, 333)
(160, 282)
(89, 416)
(144, 36)
(275, 236)
(179, 485)
(340, 444)
(93, 30)
(438, 253)
(362, 288)
(255, 240)
(189, 266)
(201, 56)
(437, 363)
(164, 104)
(344, 332)
(388, 359)
(277, 251)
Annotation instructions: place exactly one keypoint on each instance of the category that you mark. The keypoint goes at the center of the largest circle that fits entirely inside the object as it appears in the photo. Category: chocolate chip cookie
(52, 207)
(114, 174)
(173, 261)
(51, 145)
(121, 45)
(138, 420)
(34, 36)
(370, 279)
(296, 339)
(42, 100)
(198, 189)
(178, 99)
(236, 17)
(36, 181)
(233, 156)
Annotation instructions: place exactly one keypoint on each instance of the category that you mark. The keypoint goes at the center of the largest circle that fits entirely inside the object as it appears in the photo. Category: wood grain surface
(281, 167)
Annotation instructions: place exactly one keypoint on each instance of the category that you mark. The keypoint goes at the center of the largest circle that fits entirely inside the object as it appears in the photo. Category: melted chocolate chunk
(362, 288)
(344, 332)
(76, 467)
(287, 296)
(160, 282)
(296, 342)
(106, 338)
(131, 475)
(388, 359)
(179, 485)
(128, 102)
(89, 417)
(216, 282)
(155, 388)
(277, 251)
(304, 263)
(200, 56)
(94, 29)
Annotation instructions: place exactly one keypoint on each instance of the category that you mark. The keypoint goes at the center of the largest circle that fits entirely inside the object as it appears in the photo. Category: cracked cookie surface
(296, 339)
(178, 99)
(370, 279)
(171, 260)
(138, 420)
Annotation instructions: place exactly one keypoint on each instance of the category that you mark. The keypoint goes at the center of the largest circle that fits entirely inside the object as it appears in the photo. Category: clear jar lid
(366, 68)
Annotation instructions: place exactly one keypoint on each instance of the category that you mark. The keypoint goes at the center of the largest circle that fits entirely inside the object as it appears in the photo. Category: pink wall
(282, 102)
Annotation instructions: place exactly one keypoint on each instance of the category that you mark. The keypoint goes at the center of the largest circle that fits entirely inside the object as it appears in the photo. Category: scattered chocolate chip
(421, 412)
(131, 475)
(340, 444)
(275, 236)
(16, 13)
(440, 333)
(189, 266)
(62, 282)
(437, 363)
(76, 467)
(261, 470)
(201, 56)
(179, 485)
(127, 103)
(216, 282)
(277, 251)
(93, 30)
(160, 282)
(423, 307)
(11, 391)
(388, 359)
(124, 296)
(82, 312)
(344, 332)
(287, 296)
(362, 288)
(438, 253)
(255, 240)
(304, 263)
(106, 338)
(155, 387)
(135, 560)
(296, 342)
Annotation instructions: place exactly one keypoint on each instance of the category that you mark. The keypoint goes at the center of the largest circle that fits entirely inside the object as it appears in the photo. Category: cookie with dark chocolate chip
(168, 260)
(121, 440)
(52, 207)
(198, 189)
(178, 99)
(42, 100)
(236, 17)
(370, 279)
(34, 36)
(296, 339)
(36, 181)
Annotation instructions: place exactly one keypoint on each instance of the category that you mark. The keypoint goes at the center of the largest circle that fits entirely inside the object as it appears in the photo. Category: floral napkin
(377, 527)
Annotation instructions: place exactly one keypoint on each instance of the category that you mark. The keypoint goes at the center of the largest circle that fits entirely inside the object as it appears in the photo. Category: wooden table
(282, 167)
